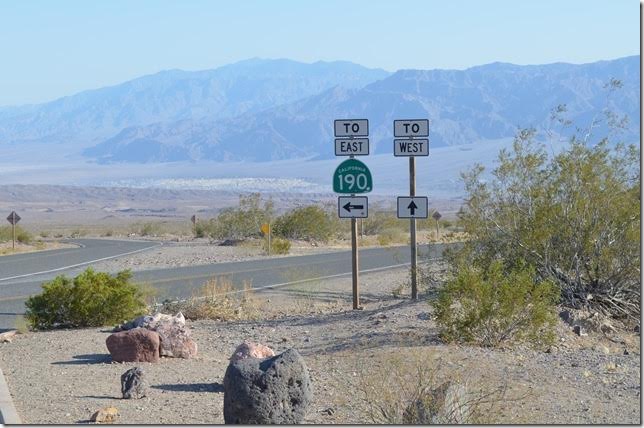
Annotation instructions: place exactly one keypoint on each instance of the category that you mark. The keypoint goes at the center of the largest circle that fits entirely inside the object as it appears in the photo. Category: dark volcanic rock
(133, 383)
(274, 390)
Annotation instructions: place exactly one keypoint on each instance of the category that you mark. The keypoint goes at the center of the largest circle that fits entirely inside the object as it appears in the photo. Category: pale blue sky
(55, 48)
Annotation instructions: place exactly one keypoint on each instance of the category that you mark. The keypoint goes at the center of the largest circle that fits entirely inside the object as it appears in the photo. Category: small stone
(566, 316)
(106, 415)
(579, 331)
(637, 329)
(133, 383)
(284, 339)
(328, 411)
(626, 351)
(251, 350)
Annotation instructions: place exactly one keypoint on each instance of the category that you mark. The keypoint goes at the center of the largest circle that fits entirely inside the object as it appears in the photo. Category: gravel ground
(62, 377)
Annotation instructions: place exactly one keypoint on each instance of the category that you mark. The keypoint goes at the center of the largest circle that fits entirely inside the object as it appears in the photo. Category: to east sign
(353, 206)
(412, 207)
(411, 128)
(351, 127)
(352, 147)
(352, 176)
(411, 147)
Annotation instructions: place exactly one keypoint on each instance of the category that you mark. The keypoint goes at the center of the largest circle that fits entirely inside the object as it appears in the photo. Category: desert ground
(62, 377)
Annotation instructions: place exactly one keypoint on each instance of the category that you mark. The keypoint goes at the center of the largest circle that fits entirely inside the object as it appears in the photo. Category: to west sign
(411, 128)
(411, 147)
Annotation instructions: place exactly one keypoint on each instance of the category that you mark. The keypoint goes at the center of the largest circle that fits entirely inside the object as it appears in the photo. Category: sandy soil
(6, 247)
(62, 377)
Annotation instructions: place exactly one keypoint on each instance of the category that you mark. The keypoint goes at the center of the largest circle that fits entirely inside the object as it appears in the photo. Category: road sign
(412, 207)
(351, 146)
(13, 218)
(352, 176)
(410, 147)
(351, 128)
(353, 207)
(264, 228)
(411, 128)
(436, 216)
(193, 219)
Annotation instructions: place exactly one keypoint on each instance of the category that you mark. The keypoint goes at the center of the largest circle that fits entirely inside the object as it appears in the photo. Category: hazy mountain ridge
(485, 102)
(247, 86)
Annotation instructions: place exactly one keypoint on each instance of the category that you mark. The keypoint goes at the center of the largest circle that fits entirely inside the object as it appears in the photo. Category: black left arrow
(349, 207)
(412, 207)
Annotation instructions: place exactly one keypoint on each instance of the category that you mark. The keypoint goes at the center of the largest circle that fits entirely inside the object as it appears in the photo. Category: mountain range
(263, 110)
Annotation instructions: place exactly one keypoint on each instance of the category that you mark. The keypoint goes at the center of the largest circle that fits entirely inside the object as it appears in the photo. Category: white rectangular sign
(415, 207)
(411, 147)
(411, 128)
(351, 127)
(351, 146)
(353, 207)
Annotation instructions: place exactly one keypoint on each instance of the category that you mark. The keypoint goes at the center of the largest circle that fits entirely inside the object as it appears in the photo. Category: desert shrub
(391, 236)
(491, 307)
(416, 388)
(91, 299)
(150, 229)
(202, 228)
(278, 245)
(380, 221)
(311, 223)
(22, 235)
(217, 300)
(243, 221)
(575, 215)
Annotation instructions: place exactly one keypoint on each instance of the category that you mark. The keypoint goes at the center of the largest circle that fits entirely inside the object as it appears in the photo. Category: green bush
(244, 221)
(21, 234)
(92, 299)
(278, 245)
(311, 223)
(492, 307)
(381, 221)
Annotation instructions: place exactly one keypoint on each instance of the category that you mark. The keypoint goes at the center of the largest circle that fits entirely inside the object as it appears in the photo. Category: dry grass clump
(218, 300)
(416, 389)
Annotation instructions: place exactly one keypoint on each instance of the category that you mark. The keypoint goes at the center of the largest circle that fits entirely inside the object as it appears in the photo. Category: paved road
(88, 251)
(182, 282)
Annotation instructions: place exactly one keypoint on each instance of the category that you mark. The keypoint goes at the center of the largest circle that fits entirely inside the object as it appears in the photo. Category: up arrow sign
(412, 207)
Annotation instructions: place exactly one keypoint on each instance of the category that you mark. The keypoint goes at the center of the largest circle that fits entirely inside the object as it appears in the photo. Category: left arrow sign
(353, 207)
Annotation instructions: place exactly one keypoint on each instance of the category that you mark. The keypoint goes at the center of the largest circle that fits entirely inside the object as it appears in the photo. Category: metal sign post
(412, 147)
(13, 218)
(351, 177)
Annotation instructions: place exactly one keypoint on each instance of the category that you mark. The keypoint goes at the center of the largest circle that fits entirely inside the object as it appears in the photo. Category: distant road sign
(412, 207)
(265, 228)
(352, 176)
(436, 216)
(351, 146)
(411, 128)
(353, 207)
(193, 219)
(411, 147)
(351, 127)
(13, 218)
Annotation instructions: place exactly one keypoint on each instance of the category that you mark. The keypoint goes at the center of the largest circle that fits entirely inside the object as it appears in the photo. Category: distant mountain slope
(480, 103)
(247, 86)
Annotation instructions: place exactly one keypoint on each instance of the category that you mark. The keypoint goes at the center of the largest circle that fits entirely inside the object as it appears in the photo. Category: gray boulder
(133, 383)
(274, 390)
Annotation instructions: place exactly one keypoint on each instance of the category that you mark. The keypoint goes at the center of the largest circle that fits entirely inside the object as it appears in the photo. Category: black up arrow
(412, 207)
(348, 206)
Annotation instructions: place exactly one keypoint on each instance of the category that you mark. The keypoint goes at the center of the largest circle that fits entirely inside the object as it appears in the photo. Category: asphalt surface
(182, 282)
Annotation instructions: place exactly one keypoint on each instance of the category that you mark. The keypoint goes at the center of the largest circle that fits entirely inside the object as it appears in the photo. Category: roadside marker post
(437, 216)
(13, 218)
(411, 147)
(266, 230)
(351, 177)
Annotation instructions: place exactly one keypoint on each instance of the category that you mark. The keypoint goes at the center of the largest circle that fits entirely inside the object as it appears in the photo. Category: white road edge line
(81, 264)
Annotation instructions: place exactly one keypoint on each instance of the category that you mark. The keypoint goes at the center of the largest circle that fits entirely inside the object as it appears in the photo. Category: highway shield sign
(352, 176)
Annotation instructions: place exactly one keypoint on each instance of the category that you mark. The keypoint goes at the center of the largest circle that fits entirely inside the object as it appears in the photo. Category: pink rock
(251, 350)
(134, 345)
(175, 340)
